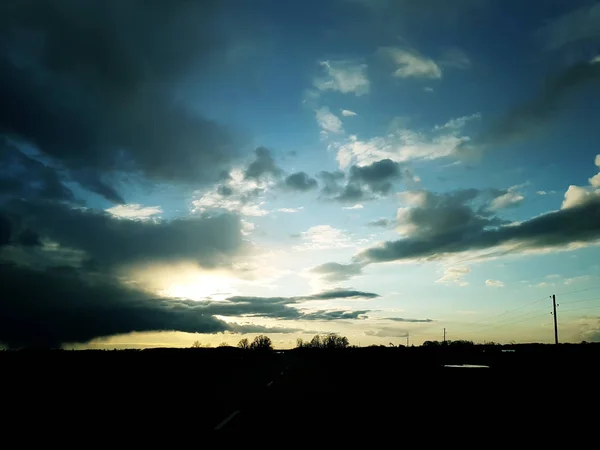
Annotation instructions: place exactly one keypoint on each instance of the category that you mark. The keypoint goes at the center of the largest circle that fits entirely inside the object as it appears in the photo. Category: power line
(578, 290)
(519, 321)
(512, 318)
(581, 301)
(509, 311)
(581, 309)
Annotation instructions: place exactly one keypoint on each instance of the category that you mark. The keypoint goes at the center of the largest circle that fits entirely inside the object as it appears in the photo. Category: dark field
(171, 394)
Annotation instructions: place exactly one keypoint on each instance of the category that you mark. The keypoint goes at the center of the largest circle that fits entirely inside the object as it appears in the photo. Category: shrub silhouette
(244, 344)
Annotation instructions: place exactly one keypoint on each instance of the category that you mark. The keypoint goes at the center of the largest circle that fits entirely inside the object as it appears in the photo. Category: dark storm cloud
(109, 241)
(49, 308)
(458, 230)
(282, 307)
(61, 305)
(536, 112)
(337, 272)
(363, 182)
(95, 85)
(300, 181)
(25, 177)
(336, 315)
(263, 164)
(401, 319)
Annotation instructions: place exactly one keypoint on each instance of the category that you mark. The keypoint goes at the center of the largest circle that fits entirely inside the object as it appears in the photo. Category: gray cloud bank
(53, 306)
(95, 87)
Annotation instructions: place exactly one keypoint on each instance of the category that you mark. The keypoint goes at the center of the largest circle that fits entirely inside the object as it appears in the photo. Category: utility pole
(444, 335)
(555, 320)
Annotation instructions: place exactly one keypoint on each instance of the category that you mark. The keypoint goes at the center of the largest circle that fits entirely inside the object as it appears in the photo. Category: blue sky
(433, 163)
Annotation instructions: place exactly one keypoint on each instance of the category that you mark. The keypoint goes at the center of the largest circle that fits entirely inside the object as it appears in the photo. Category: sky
(184, 171)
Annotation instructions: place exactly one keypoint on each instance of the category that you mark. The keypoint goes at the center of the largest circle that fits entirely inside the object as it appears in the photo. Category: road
(162, 398)
(321, 397)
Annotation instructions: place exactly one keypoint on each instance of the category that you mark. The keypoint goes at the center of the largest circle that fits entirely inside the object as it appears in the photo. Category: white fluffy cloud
(458, 123)
(247, 196)
(403, 144)
(595, 180)
(134, 211)
(510, 198)
(344, 76)
(412, 64)
(357, 206)
(348, 113)
(323, 237)
(329, 122)
(494, 283)
(578, 195)
(291, 210)
(455, 275)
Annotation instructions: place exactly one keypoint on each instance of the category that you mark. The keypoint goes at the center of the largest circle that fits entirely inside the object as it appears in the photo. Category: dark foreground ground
(174, 395)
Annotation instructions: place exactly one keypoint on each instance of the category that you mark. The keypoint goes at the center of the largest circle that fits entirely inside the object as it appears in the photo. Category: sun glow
(201, 287)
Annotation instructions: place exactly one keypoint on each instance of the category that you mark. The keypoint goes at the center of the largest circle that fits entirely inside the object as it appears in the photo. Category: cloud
(455, 58)
(575, 27)
(377, 176)
(109, 242)
(446, 224)
(455, 275)
(134, 211)
(300, 181)
(263, 165)
(458, 123)
(291, 210)
(238, 193)
(348, 113)
(577, 195)
(428, 89)
(381, 222)
(411, 64)
(494, 283)
(337, 272)
(573, 280)
(344, 76)
(329, 122)
(436, 215)
(322, 237)
(595, 180)
(402, 319)
(24, 176)
(363, 182)
(387, 332)
(508, 199)
(331, 181)
(53, 307)
(402, 144)
(357, 206)
(532, 114)
(119, 66)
